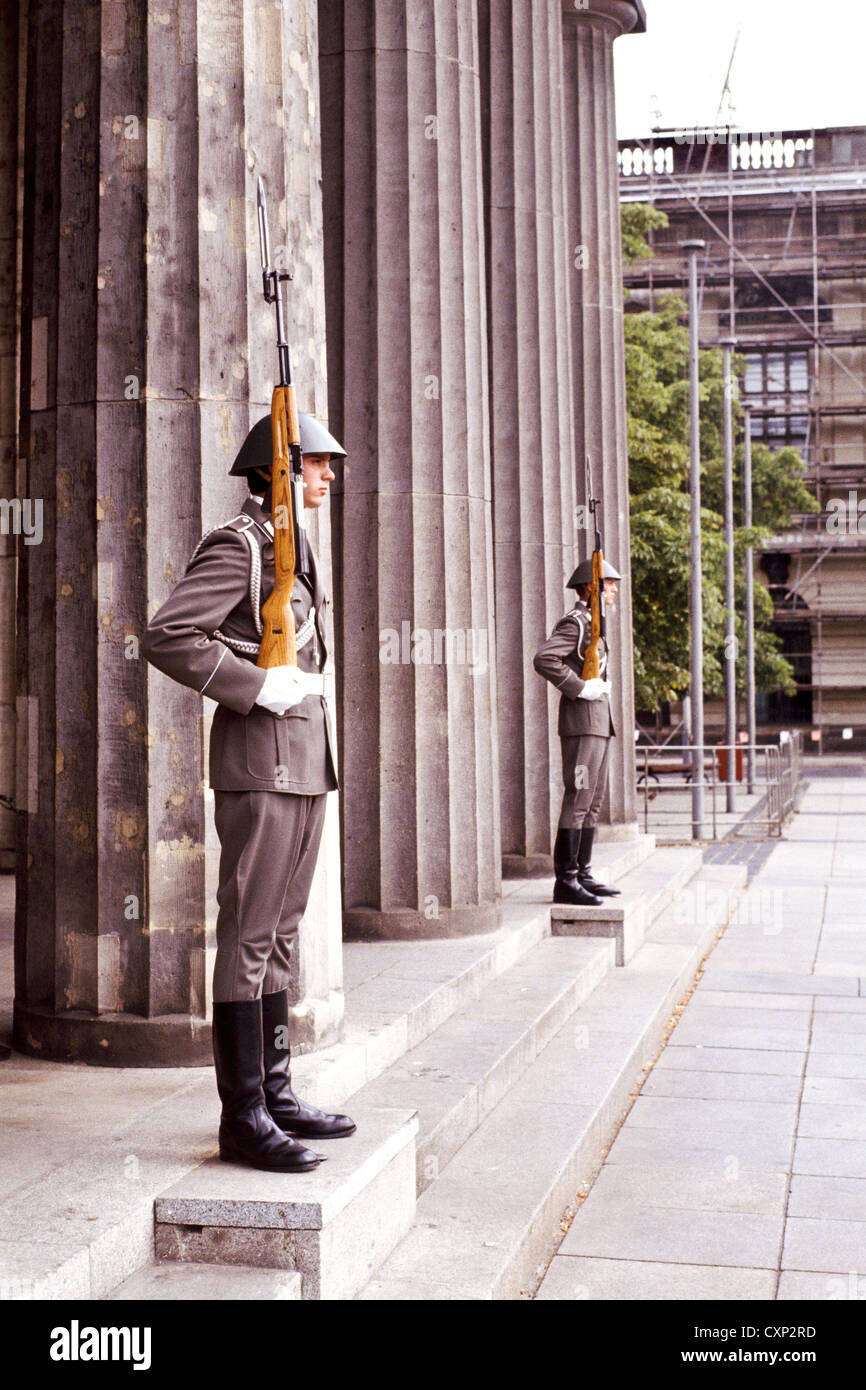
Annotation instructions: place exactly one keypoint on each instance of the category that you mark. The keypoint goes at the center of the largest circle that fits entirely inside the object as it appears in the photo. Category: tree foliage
(657, 393)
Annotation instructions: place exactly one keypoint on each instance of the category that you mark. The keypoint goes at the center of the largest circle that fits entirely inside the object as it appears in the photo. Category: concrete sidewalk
(740, 1170)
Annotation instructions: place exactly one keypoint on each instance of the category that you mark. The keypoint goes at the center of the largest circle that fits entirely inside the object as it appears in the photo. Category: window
(777, 386)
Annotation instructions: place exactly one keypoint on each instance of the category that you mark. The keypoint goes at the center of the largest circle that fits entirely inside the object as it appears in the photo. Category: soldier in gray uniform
(585, 730)
(272, 763)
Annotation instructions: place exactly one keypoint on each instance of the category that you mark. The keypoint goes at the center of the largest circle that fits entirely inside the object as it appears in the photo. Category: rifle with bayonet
(291, 547)
(591, 660)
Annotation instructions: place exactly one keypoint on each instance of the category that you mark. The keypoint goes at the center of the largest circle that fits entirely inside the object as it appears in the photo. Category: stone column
(407, 368)
(9, 235)
(530, 403)
(589, 30)
(150, 352)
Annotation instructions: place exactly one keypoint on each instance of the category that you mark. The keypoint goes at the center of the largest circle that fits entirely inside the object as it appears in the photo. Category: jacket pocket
(293, 748)
(277, 748)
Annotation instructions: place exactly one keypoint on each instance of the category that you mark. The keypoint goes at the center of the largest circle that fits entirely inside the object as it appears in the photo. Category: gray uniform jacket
(560, 661)
(207, 635)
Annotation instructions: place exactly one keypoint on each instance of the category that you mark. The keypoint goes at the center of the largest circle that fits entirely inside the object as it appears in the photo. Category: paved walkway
(740, 1171)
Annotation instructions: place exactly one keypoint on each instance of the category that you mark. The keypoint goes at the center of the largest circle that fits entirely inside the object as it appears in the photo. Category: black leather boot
(292, 1115)
(247, 1132)
(584, 872)
(566, 888)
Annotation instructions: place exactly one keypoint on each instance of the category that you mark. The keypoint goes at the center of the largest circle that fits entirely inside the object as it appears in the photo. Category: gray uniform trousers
(270, 843)
(584, 773)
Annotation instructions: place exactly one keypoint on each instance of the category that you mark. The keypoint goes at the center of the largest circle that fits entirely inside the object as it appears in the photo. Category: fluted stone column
(589, 30)
(530, 403)
(151, 351)
(9, 232)
(407, 368)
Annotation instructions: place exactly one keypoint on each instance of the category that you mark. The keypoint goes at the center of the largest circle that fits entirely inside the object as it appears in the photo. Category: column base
(316, 1023)
(623, 830)
(404, 924)
(112, 1040)
(527, 866)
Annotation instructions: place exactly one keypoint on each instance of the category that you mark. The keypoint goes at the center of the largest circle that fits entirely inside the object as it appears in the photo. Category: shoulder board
(237, 523)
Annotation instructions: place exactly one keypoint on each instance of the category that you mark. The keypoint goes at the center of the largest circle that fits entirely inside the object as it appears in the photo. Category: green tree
(657, 394)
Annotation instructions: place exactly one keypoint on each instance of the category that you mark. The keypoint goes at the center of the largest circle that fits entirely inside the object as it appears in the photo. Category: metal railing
(765, 779)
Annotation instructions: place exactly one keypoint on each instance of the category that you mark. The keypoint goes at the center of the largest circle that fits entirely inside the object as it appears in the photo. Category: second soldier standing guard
(585, 729)
(271, 766)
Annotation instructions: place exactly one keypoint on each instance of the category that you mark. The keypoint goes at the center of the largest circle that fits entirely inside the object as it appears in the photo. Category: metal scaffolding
(785, 272)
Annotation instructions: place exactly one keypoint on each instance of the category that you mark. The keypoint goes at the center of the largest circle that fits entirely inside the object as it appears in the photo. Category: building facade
(783, 215)
(443, 177)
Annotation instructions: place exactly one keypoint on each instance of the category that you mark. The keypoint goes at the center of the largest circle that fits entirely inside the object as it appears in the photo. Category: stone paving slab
(832, 1121)
(716, 1150)
(819, 1244)
(713, 1018)
(766, 982)
(834, 1090)
(720, 1085)
(842, 1022)
(842, 1004)
(844, 1158)
(691, 1031)
(730, 999)
(761, 1194)
(846, 1065)
(615, 1229)
(836, 1199)
(841, 1284)
(690, 1116)
(752, 1061)
(573, 1277)
(838, 1042)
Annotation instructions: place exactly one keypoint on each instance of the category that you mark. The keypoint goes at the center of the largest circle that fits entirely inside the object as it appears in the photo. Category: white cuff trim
(225, 652)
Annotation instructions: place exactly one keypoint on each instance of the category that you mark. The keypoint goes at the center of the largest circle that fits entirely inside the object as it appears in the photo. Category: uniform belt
(314, 684)
(320, 685)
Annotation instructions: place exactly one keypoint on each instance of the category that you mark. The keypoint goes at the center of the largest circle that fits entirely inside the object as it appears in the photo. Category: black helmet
(583, 574)
(256, 452)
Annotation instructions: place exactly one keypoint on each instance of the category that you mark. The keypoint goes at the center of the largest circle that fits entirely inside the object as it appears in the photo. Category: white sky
(798, 63)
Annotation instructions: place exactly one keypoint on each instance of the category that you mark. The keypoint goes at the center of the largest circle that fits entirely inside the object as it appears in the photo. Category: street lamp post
(696, 618)
(728, 345)
(750, 602)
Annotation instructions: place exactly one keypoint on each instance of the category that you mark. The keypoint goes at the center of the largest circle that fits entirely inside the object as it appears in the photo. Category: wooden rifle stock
(278, 642)
(591, 661)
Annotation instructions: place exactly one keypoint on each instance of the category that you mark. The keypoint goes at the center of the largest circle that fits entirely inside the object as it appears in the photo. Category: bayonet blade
(264, 242)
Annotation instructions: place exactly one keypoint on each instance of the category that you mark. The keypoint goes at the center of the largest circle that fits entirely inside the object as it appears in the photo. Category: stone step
(487, 1227)
(177, 1281)
(646, 891)
(462, 1071)
(334, 1225)
(399, 992)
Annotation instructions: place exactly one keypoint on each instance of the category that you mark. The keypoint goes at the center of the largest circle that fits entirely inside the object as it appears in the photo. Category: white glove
(594, 689)
(283, 688)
